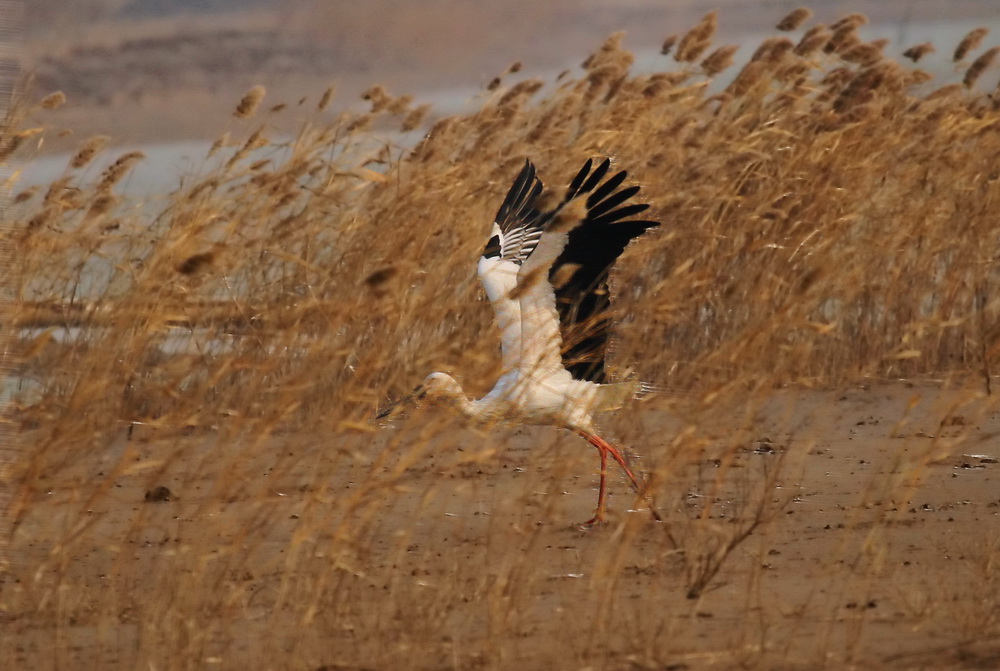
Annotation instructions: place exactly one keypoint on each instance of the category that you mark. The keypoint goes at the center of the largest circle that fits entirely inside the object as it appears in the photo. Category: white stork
(546, 274)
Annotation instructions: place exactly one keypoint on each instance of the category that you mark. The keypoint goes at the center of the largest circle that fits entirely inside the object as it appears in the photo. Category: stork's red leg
(602, 490)
(604, 447)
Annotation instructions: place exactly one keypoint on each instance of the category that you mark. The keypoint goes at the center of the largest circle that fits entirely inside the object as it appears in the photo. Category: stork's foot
(598, 520)
(652, 508)
(595, 521)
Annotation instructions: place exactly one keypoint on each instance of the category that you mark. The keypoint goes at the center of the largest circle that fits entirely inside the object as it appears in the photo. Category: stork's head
(439, 388)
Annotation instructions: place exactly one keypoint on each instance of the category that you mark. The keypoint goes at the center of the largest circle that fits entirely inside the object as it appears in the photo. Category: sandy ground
(878, 545)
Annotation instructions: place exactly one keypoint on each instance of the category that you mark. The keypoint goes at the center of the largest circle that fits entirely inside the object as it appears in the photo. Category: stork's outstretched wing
(563, 286)
(580, 274)
(548, 278)
(516, 231)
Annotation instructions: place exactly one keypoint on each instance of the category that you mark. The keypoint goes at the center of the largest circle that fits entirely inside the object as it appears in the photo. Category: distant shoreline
(153, 113)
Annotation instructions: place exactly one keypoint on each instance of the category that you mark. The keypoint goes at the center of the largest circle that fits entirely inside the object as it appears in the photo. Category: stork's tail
(614, 396)
(644, 390)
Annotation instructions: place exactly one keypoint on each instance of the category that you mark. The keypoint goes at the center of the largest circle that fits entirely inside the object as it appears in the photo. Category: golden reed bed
(829, 221)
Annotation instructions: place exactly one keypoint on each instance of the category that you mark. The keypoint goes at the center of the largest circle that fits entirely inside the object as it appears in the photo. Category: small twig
(986, 368)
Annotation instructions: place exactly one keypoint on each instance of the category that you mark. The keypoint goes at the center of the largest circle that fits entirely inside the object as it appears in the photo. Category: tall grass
(828, 218)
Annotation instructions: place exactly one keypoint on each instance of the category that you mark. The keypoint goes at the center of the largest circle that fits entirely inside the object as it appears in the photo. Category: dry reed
(813, 40)
(249, 103)
(970, 42)
(87, 151)
(917, 52)
(718, 60)
(668, 45)
(794, 19)
(324, 100)
(979, 66)
(53, 101)
(694, 43)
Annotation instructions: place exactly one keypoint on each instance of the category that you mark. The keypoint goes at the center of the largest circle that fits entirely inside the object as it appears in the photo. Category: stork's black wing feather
(599, 195)
(595, 178)
(520, 199)
(574, 186)
(580, 274)
(518, 219)
(613, 201)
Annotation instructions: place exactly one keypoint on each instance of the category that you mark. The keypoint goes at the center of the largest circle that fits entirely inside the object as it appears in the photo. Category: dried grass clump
(663, 82)
(326, 98)
(117, 170)
(852, 21)
(917, 52)
(772, 50)
(249, 103)
(970, 42)
(697, 40)
(863, 54)
(103, 204)
(814, 39)
(668, 44)
(13, 141)
(378, 97)
(844, 37)
(979, 66)
(26, 194)
(520, 92)
(718, 60)
(53, 101)
(753, 75)
(414, 118)
(794, 19)
(87, 151)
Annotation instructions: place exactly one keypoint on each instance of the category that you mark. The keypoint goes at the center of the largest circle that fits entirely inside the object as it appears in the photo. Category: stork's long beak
(388, 411)
(417, 394)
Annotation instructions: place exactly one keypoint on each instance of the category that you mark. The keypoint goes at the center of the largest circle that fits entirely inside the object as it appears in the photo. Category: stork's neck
(448, 390)
(469, 408)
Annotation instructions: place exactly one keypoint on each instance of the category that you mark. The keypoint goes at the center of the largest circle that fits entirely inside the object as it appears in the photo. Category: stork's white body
(534, 387)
